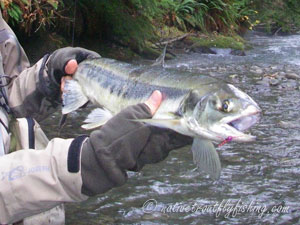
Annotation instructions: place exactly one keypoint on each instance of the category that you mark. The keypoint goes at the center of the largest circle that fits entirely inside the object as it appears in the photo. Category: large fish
(195, 105)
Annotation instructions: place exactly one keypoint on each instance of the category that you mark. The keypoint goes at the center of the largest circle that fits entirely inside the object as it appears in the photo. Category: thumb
(154, 101)
(71, 67)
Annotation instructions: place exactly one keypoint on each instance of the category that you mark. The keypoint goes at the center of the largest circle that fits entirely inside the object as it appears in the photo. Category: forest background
(126, 29)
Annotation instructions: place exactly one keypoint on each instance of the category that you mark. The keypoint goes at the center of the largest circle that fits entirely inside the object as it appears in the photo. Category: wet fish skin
(193, 105)
(123, 84)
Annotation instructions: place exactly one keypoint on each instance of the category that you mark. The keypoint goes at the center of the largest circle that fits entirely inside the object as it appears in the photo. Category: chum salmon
(200, 106)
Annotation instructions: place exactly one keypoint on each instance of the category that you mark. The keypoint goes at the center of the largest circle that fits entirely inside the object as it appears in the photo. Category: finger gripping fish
(199, 106)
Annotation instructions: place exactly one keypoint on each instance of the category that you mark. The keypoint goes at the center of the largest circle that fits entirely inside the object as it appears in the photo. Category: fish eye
(225, 105)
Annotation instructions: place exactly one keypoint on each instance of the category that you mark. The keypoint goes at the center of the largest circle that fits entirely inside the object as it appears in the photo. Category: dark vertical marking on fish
(111, 89)
(129, 87)
(119, 92)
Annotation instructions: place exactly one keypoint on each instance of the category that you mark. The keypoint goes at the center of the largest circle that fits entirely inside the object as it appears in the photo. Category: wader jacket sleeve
(32, 181)
(30, 92)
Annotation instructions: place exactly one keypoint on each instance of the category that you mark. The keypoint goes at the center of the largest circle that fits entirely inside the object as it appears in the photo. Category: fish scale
(131, 87)
(195, 105)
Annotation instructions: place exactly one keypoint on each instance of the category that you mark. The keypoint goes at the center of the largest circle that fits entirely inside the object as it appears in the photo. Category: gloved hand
(57, 64)
(121, 145)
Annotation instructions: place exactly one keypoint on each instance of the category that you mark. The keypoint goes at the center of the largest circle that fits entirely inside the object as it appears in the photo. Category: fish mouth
(245, 122)
(238, 124)
(232, 127)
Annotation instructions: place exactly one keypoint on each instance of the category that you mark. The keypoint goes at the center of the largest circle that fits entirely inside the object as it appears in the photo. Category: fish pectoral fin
(97, 118)
(206, 157)
(73, 98)
(163, 123)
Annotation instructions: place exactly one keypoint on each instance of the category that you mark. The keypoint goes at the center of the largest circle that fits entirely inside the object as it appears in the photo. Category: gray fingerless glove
(122, 145)
(60, 57)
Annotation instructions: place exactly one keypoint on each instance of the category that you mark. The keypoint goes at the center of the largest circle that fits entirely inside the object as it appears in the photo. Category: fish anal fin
(97, 118)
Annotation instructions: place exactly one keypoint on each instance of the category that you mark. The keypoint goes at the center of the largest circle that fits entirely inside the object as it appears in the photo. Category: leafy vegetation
(131, 18)
(136, 23)
(206, 15)
(219, 41)
(30, 15)
(279, 15)
(128, 23)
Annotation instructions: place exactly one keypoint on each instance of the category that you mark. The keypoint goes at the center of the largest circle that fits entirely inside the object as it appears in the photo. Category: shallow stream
(259, 181)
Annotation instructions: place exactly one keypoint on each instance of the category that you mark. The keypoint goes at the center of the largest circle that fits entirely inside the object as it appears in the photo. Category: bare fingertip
(154, 101)
(71, 66)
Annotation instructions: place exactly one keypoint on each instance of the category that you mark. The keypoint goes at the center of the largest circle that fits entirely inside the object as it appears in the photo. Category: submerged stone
(237, 52)
(203, 50)
(293, 76)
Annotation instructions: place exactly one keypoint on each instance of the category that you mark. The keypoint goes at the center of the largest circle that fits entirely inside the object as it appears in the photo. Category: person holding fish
(66, 170)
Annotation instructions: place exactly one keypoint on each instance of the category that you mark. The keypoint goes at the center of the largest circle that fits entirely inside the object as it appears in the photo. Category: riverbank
(128, 30)
(178, 43)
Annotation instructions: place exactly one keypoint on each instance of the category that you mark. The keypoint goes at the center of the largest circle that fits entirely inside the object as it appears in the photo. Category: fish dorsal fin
(161, 59)
(73, 98)
(206, 157)
(97, 118)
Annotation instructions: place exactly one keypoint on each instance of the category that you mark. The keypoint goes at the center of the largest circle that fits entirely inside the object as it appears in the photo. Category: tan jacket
(31, 181)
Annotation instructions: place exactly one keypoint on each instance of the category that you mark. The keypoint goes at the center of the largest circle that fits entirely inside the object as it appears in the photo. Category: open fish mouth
(237, 127)
(229, 127)
(245, 122)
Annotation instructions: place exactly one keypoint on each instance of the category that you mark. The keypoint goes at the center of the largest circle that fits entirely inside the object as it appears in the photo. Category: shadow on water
(259, 181)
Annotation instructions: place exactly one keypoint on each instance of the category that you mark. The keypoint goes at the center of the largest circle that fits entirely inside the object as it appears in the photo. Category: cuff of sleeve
(74, 153)
(95, 177)
(51, 73)
(47, 84)
(39, 181)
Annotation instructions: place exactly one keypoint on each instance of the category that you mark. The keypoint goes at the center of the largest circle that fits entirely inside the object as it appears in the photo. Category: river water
(259, 181)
